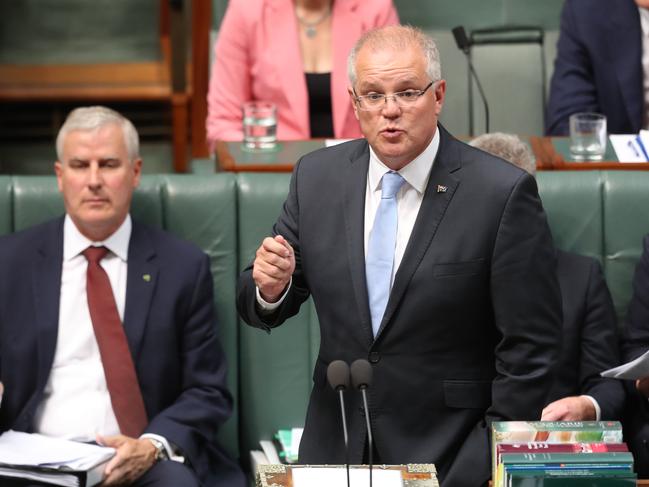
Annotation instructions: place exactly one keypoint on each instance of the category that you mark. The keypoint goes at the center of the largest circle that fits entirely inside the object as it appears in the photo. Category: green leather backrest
(6, 205)
(275, 370)
(573, 204)
(626, 221)
(195, 208)
(603, 214)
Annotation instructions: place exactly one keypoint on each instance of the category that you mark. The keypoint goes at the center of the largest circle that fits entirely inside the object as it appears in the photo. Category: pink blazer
(257, 57)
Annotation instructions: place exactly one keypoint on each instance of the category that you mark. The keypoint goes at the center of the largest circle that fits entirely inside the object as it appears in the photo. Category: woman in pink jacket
(292, 53)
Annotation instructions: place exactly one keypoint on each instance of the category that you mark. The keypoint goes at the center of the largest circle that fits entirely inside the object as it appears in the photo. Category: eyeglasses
(376, 101)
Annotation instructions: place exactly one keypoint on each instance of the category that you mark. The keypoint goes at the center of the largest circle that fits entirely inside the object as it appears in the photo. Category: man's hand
(643, 386)
(132, 459)
(273, 267)
(573, 408)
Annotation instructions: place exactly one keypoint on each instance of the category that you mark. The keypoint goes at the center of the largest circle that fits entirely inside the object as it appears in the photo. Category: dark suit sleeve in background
(636, 342)
(572, 88)
(600, 347)
(193, 419)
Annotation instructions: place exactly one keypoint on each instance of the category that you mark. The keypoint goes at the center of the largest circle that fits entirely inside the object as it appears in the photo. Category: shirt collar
(416, 172)
(74, 242)
(644, 20)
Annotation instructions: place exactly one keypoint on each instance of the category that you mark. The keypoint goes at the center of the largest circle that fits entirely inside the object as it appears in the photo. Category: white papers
(358, 477)
(270, 451)
(636, 369)
(626, 148)
(20, 452)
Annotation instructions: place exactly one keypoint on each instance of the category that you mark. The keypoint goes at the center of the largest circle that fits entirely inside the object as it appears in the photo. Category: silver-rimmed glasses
(376, 101)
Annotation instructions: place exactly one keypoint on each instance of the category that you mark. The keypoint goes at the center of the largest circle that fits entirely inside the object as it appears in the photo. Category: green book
(614, 457)
(611, 471)
(572, 481)
(544, 462)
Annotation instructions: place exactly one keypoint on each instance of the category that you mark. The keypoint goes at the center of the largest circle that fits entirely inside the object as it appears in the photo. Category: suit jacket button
(375, 357)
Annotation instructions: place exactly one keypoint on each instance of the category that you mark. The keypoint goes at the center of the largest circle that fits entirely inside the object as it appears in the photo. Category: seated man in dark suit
(589, 339)
(107, 327)
(599, 65)
(636, 343)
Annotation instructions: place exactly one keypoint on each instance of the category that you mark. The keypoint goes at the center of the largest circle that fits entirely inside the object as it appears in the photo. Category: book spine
(531, 458)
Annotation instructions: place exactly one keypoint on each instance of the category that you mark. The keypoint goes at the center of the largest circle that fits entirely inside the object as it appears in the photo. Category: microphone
(461, 39)
(361, 372)
(464, 44)
(338, 378)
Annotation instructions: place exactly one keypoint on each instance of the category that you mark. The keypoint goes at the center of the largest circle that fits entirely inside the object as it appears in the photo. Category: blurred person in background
(636, 343)
(602, 65)
(292, 53)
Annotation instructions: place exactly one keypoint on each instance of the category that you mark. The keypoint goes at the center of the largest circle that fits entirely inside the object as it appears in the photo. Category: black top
(318, 86)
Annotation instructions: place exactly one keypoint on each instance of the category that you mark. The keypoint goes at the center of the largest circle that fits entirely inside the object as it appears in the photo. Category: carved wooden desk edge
(548, 158)
(412, 474)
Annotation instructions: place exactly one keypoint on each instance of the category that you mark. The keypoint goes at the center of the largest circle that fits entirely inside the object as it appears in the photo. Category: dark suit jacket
(635, 343)
(169, 323)
(472, 322)
(589, 340)
(598, 65)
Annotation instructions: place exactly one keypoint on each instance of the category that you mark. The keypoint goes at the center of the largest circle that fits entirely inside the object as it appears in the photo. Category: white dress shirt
(76, 403)
(409, 198)
(644, 25)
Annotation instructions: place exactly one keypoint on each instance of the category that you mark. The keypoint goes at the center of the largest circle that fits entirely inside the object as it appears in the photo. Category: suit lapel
(356, 178)
(46, 283)
(624, 30)
(141, 282)
(439, 192)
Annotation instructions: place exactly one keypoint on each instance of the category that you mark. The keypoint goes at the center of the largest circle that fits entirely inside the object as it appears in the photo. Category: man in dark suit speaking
(429, 258)
(107, 327)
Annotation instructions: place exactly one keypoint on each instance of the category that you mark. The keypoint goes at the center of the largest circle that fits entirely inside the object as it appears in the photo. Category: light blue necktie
(380, 249)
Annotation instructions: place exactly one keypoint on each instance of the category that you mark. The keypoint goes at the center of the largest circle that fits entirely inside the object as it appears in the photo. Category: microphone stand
(370, 441)
(342, 411)
(482, 95)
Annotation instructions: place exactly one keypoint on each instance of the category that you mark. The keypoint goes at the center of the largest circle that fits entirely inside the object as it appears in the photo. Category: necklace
(310, 27)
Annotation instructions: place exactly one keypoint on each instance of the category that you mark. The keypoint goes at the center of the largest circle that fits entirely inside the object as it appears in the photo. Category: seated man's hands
(132, 459)
(572, 408)
(273, 267)
(643, 386)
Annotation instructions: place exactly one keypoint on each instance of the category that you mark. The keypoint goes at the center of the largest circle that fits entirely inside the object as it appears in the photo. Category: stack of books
(558, 453)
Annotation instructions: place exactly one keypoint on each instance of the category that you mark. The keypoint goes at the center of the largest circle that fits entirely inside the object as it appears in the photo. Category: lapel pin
(441, 189)
(146, 277)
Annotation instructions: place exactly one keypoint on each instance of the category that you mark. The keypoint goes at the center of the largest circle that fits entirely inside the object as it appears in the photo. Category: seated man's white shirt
(76, 404)
(644, 27)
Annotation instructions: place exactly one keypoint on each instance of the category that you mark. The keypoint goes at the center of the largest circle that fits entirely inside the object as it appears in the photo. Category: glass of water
(259, 125)
(587, 136)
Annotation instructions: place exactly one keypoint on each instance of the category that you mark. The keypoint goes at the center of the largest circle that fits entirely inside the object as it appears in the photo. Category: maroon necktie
(125, 394)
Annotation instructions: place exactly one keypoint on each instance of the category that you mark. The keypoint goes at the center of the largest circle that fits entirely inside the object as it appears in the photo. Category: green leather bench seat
(603, 214)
